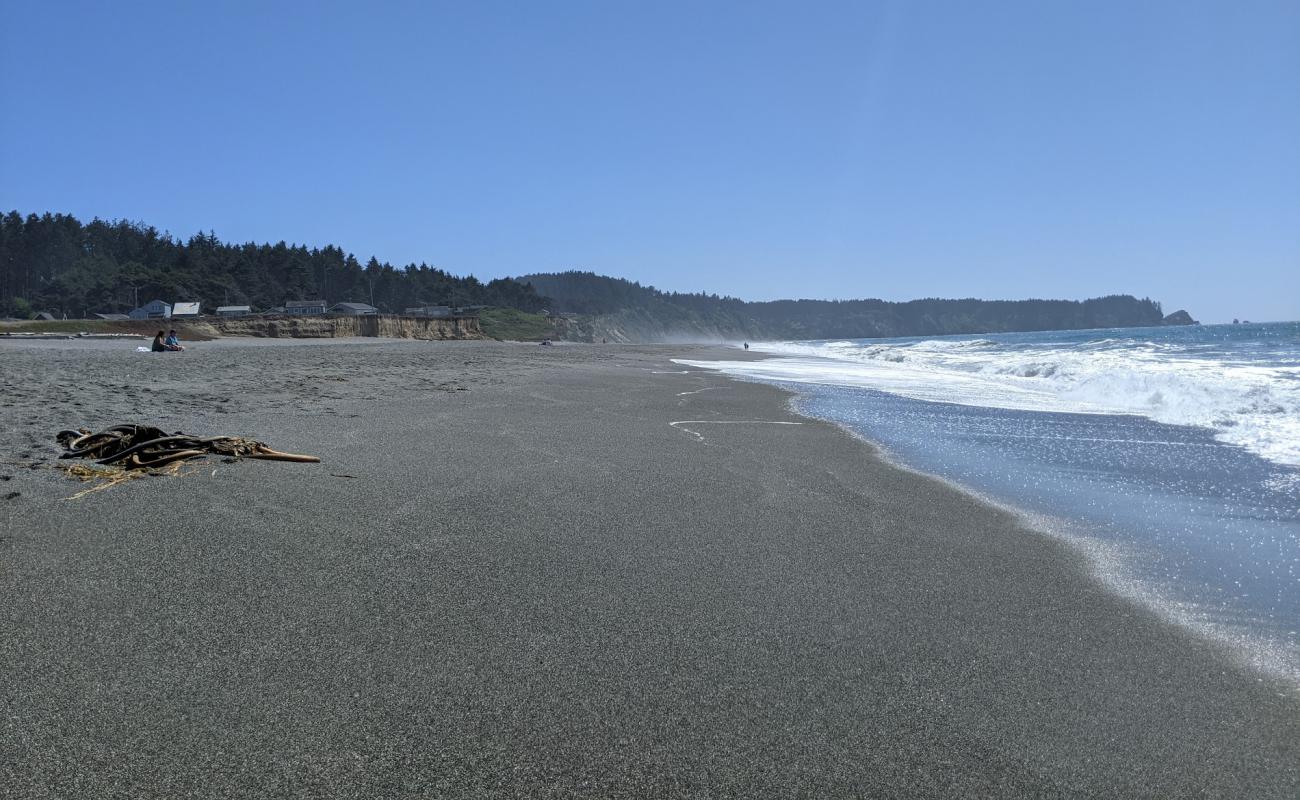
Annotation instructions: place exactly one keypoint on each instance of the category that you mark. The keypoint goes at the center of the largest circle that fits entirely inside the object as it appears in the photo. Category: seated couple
(169, 344)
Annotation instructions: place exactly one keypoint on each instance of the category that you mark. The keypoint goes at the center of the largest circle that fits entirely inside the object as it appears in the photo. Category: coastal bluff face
(385, 326)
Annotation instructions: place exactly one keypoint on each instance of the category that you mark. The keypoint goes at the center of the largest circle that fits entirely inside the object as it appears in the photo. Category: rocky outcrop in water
(1179, 317)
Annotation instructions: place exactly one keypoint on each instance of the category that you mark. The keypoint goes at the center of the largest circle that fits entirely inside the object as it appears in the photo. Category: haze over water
(1171, 454)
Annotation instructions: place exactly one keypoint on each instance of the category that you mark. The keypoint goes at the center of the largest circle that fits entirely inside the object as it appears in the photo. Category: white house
(304, 307)
(233, 311)
(354, 309)
(154, 309)
(185, 310)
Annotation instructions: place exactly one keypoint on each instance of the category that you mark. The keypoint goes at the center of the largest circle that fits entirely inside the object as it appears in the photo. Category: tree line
(56, 263)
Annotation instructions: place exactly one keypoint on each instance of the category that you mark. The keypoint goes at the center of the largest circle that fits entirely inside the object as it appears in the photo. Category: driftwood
(131, 447)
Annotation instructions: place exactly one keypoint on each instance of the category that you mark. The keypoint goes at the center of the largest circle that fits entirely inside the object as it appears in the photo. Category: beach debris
(145, 449)
(108, 477)
(25, 336)
(682, 423)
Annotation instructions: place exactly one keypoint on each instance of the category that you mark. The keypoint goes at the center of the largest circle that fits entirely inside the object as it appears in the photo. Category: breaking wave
(1244, 387)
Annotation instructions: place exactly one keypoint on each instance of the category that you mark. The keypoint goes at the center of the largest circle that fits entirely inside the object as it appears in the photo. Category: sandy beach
(564, 571)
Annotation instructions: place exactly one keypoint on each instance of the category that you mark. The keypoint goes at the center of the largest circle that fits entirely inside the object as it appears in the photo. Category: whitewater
(1170, 455)
(1240, 381)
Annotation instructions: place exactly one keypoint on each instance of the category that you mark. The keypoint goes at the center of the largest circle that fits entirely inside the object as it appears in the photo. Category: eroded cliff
(392, 327)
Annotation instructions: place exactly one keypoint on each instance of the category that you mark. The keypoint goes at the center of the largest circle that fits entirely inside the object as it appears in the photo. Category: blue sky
(763, 150)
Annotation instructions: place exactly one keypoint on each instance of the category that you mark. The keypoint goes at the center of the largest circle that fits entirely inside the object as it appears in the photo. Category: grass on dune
(509, 324)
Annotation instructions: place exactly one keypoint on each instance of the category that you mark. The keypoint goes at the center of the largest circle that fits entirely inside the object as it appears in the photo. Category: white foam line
(1160, 442)
(697, 391)
(700, 437)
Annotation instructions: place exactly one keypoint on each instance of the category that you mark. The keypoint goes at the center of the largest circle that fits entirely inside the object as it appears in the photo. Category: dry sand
(512, 576)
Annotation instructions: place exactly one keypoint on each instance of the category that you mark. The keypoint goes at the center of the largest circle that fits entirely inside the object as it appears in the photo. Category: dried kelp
(135, 447)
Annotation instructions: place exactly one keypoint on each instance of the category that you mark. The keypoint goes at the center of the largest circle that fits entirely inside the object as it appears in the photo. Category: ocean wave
(1247, 401)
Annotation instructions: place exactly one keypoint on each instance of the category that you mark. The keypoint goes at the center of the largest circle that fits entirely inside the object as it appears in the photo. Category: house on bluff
(154, 309)
(354, 309)
(301, 308)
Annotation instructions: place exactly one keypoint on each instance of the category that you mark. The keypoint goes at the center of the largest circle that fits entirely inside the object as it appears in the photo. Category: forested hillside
(53, 262)
(628, 310)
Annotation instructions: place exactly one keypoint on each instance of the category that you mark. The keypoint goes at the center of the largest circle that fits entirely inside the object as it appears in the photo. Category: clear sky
(763, 150)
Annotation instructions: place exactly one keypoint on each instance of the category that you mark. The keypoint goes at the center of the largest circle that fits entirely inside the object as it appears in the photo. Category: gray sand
(529, 583)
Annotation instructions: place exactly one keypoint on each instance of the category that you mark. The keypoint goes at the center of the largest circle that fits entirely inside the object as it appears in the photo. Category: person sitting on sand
(158, 346)
(172, 343)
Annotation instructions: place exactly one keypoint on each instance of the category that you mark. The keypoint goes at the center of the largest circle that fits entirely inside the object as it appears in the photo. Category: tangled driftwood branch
(130, 447)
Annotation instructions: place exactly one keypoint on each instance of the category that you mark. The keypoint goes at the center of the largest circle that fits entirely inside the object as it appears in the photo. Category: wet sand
(513, 575)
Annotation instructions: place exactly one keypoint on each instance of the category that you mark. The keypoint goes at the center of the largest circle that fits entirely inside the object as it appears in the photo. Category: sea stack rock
(1179, 317)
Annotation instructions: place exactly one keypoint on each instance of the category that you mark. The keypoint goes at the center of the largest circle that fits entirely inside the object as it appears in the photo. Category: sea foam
(1247, 395)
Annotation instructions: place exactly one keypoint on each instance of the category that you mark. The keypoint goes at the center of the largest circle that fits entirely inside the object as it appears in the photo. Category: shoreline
(525, 578)
(1107, 562)
(1111, 563)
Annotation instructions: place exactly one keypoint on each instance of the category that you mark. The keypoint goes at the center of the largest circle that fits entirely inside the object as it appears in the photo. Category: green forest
(55, 263)
(644, 308)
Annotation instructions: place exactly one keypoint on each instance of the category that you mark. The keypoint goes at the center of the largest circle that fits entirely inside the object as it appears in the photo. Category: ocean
(1170, 456)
